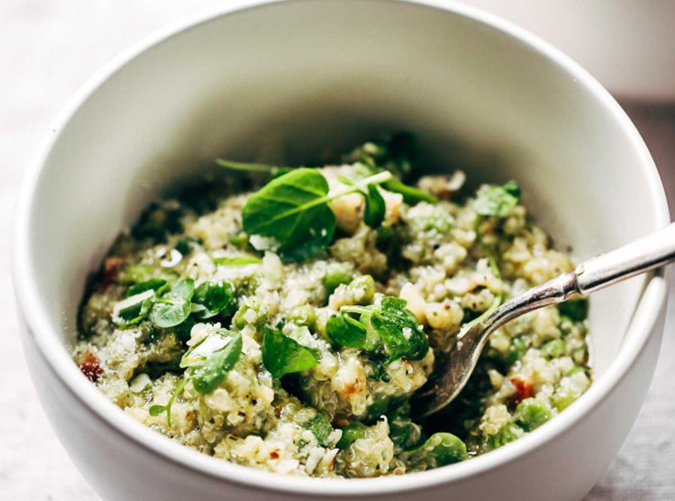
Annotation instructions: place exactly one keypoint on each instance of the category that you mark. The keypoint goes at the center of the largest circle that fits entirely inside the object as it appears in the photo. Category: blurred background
(49, 48)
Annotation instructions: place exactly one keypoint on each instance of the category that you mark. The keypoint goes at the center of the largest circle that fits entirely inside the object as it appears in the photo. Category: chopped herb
(272, 170)
(283, 355)
(132, 310)
(497, 201)
(322, 429)
(156, 410)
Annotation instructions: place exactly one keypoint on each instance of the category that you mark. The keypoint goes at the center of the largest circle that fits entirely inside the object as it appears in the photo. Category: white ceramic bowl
(262, 80)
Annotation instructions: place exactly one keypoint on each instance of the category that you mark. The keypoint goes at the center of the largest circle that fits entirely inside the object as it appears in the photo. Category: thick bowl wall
(283, 82)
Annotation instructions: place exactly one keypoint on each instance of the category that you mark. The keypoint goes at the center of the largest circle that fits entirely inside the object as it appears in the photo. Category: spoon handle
(644, 254)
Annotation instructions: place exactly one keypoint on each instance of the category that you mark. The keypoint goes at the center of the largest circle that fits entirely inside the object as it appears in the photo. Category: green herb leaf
(345, 331)
(236, 260)
(211, 298)
(213, 371)
(283, 355)
(153, 284)
(292, 212)
(497, 201)
(141, 273)
(411, 195)
(399, 331)
(375, 209)
(321, 428)
(132, 310)
(351, 433)
(156, 410)
(175, 306)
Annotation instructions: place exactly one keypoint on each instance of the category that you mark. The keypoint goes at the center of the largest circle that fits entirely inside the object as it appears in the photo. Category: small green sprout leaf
(154, 284)
(174, 307)
(345, 331)
(211, 298)
(321, 428)
(292, 212)
(213, 371)
(283, 355)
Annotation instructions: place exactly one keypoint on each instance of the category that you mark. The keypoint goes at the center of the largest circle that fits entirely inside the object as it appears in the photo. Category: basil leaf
(152, 284)
(375, 209)
(212, 298)
(236, 260)
(213, 371)
(282, 355)
(497, 201)
(345, 331)
(175, 306)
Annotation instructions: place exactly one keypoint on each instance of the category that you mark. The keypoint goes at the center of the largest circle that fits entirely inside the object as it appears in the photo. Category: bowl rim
(116, 421)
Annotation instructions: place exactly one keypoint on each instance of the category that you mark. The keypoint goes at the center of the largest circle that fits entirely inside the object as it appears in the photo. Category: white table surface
(48, 48)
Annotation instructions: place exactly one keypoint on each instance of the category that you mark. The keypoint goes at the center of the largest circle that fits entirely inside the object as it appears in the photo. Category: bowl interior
(290, 82)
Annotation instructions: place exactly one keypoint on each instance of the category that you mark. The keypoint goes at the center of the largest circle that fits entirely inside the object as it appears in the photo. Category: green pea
(366, 284)
(554, 349)
(562, 400)
(532, 413)
(239, 319)
(506, 435)
(302, 315)
(334, 279)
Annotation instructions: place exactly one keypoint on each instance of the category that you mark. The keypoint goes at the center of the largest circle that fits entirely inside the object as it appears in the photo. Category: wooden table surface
(48, 48)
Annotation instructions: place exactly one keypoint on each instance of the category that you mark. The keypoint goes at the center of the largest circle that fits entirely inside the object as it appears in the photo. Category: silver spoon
(453, 367)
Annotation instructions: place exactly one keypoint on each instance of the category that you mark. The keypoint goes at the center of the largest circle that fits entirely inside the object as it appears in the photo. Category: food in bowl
(283, 318)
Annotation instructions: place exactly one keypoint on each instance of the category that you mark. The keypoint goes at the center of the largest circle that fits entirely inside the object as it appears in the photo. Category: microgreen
(391, 323)
(211, 298)
(206, 369)
(213, 371)
(283, 355)
(346, 331)
(174, 307)
(292, 210)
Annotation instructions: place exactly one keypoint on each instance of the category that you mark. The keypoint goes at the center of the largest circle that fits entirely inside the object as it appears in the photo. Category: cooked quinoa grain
(229, 343)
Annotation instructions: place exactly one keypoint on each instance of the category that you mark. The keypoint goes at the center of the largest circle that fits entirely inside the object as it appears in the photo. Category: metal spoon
(453, 367)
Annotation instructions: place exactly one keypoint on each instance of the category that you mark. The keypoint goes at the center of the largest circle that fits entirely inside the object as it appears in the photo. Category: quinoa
(348, 415)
